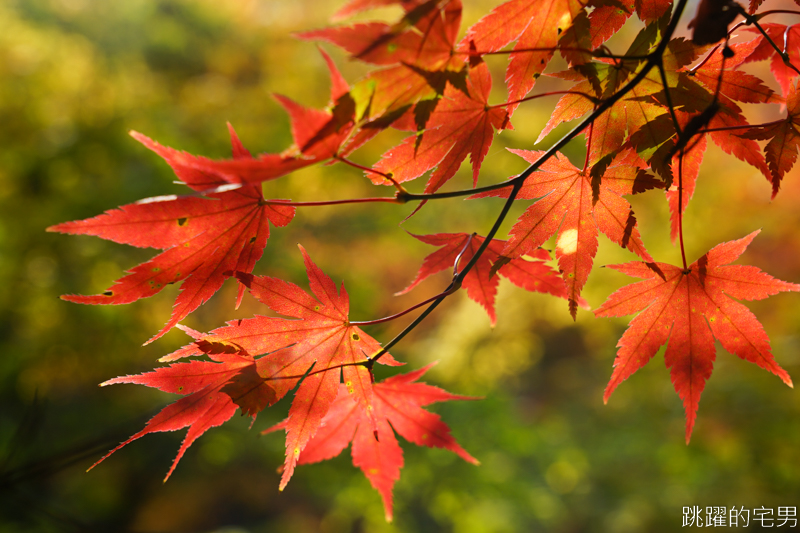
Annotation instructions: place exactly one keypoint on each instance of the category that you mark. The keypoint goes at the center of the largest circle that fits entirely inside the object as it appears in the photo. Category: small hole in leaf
(182, 221)
(252, 240)
(108, 293)
(356, 337)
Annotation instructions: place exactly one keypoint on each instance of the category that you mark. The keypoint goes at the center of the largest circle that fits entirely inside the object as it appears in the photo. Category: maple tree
(646, 117)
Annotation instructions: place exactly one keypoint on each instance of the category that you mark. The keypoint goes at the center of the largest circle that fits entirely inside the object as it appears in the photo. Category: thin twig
(458, 257)
(680, 208)
(457, 280)
(551, 93)
(384, 175)
(388, 200)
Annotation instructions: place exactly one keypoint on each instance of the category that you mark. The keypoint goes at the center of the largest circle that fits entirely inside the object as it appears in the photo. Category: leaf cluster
(646, 116)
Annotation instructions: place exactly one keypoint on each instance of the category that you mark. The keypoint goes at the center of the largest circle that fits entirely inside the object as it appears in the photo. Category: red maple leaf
(461, 125)
(784, 74)
(480, 281)
(212, 392)
(607, 18)
(398, 401)
(424, 37)
(724, 126)
(636, 120)
(651, 10)
(651, 129)
(204, 238)
(733, 83)
(357, 6)
(687, 169)
(387, 94)
(318, 133)
(318, 136)
(322, 337)
(535, 26)
(565, 207)
(783, 136)
(688, 310)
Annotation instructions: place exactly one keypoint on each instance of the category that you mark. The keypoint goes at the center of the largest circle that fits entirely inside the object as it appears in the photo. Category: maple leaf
(733, 83)
(322, 337)
(651, 10)
(357, 6)
(780, 34)
(607, 18)
(784, 139)
(424, 37)
(535, 26)
(460, 125)
(724, 121)
(398, 401)
(318, 136)
(578, 102)
(212, 392)
(318, 133)
(204, 238)
(636, 120)
(652, 129)
(421, 47)
(688, 169)
(387, 94)
(565, 207)
(480, 282)
(688, 310)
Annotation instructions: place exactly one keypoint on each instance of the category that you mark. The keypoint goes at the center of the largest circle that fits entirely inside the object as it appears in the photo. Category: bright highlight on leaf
(565, 208)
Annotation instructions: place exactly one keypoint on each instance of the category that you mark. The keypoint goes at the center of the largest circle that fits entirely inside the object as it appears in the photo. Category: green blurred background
(77, 75)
